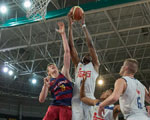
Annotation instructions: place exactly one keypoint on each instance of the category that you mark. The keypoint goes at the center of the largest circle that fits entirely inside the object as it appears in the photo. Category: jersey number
(139, 102)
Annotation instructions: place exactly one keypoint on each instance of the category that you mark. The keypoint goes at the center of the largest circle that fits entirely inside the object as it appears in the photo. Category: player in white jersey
(89, 64)
(131, 93)
(111, 111)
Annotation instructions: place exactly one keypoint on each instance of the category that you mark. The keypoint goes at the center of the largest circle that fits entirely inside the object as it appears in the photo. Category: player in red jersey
(60, 85)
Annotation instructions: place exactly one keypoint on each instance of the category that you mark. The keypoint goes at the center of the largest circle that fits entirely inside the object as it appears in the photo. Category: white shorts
(77, 111)
(138, 117)
(81, 111)
(87, 112)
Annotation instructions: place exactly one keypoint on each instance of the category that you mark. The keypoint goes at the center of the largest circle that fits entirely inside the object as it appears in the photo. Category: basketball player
(130, 92)
(88, 64)
(148, 110)
(60, 86)
(111, 111)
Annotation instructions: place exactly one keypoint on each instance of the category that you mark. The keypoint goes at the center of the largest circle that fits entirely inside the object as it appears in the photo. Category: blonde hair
(49, 65)
(132, 65)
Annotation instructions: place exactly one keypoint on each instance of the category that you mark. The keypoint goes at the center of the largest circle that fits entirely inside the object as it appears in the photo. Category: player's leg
(52, 113)
(77, 112)
(65, 113)
(88, 111)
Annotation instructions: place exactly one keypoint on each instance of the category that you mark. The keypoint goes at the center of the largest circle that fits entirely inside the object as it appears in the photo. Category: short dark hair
(49, 65)
(132, 65)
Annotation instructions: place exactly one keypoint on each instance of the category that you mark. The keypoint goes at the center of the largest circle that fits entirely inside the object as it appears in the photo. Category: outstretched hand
(83, 20)
(101, 111)
(70, 19)
(61, 27)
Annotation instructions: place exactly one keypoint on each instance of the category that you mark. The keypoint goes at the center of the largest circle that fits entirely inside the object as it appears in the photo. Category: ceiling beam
(56, 41)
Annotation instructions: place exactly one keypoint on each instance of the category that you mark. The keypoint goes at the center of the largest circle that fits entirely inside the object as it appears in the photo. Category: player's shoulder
(79, 64)
(126, 79)
(121, 80)
(140, 83)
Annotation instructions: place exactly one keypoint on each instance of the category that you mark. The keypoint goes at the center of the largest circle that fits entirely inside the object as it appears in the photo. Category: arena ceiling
(118, 32)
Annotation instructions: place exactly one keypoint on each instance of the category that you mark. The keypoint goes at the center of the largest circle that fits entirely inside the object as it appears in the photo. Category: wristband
(84, 25)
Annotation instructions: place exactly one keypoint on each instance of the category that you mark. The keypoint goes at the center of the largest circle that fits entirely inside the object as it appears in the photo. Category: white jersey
(108, 113)
(133, 99)
(77, 105)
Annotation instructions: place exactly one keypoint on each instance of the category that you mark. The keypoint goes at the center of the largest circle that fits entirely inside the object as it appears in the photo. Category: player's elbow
(41, 100)
(115, 98)
(67, 51)
(81, 97)
(87, 101)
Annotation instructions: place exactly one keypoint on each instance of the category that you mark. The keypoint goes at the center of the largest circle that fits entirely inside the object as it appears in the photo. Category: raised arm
(147, 96)
(73, 51)
(44, 91)
(90, 45)
(120, 86)
(148, 110)
(66, 68)
(83, 97)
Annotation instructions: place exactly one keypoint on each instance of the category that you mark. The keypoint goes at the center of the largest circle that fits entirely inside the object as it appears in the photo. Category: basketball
(76, 12)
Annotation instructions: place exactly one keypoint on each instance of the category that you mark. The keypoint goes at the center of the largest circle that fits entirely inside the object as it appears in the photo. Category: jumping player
(130, 92)
(60, 85)
(111, 111)
(88, 64)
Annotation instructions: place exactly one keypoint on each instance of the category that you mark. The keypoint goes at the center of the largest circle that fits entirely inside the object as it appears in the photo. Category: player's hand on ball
(83, 20)
(61, 27)
(47, 81)
(70, 19)
(70, 15)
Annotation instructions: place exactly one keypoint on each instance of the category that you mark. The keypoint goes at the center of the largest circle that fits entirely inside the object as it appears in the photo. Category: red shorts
(58, 113)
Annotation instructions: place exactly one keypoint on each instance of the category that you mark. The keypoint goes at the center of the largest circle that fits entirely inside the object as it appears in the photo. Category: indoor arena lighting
(100, 82)
(3, 9)
(15, 76)
(5, 69)
(33, 81)
(10, 72)
(27, 4)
